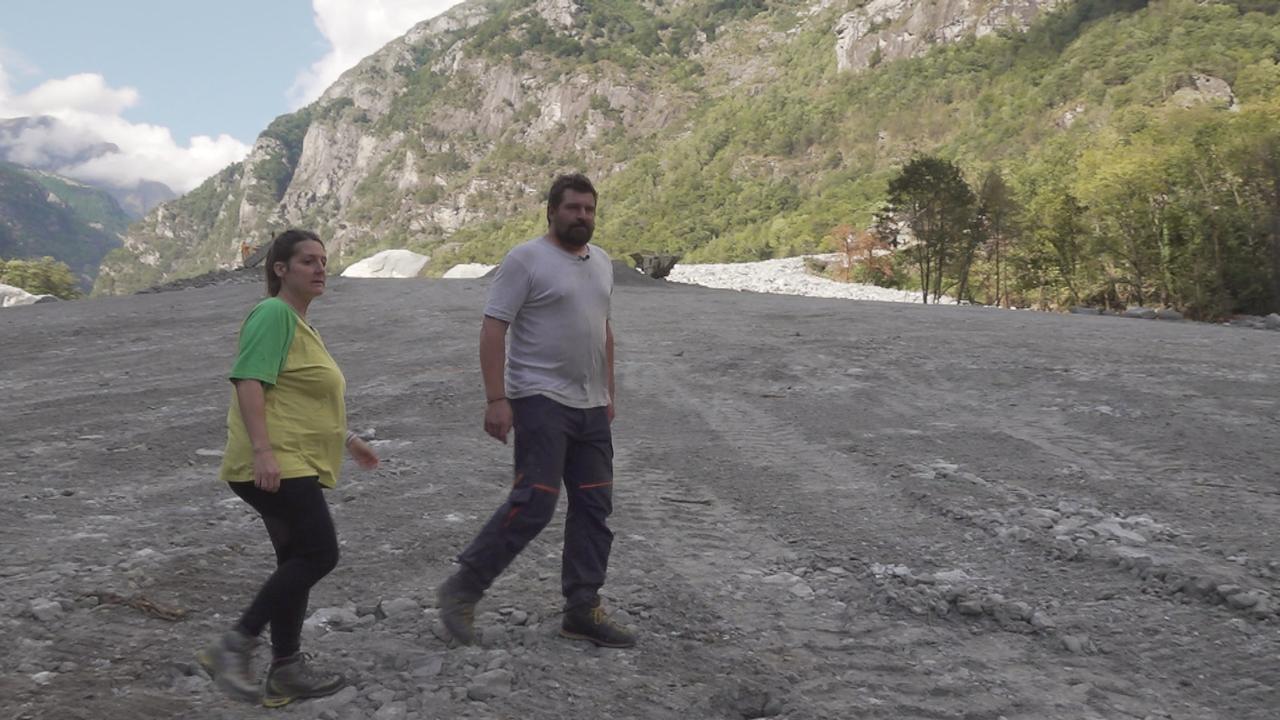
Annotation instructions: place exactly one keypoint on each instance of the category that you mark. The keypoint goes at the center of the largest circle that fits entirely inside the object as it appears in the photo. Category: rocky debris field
(824, 509)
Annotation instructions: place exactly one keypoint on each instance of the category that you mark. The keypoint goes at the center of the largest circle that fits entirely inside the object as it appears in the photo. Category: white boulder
(11, 296)
(468, 270)
(388, 264)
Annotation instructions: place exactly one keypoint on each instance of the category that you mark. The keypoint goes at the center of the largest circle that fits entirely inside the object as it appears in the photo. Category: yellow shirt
(304, 389)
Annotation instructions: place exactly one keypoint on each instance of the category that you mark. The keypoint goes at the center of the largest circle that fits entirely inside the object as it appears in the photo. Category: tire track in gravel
(767, 448)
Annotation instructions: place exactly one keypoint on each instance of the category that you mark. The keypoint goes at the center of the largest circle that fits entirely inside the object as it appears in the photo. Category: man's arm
(608, 356)
(493, 364)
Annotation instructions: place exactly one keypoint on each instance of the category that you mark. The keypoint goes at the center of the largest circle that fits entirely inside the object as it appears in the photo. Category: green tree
(43, 276)
(931, 200)
(998, 229)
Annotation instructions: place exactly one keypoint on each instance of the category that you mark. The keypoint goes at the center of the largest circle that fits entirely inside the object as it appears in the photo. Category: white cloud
(89, 111)
(356, 29)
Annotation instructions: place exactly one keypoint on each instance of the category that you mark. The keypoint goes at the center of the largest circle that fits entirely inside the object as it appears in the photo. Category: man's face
(574, 221)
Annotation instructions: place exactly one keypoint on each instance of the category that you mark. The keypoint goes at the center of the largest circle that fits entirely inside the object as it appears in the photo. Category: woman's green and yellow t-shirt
(306, 413)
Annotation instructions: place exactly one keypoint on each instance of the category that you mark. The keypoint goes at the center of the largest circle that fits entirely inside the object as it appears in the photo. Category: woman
(285, 434)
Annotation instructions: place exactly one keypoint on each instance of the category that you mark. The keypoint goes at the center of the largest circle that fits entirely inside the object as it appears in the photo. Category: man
(553, 293)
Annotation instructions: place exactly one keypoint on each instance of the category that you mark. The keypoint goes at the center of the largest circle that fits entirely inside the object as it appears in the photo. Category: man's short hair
(576, 182)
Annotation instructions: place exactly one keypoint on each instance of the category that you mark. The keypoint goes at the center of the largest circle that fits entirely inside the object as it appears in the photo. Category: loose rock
(491, 684)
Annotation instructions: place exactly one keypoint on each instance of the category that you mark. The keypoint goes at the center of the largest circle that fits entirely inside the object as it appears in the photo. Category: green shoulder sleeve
(265, 338)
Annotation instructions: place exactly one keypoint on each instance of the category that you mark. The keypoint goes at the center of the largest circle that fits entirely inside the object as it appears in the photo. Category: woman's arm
(253, 411)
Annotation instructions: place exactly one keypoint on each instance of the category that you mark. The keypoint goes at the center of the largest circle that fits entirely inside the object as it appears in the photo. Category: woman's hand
(266, 471)
(364, 455)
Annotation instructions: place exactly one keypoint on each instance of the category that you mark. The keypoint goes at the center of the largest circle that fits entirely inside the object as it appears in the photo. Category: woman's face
(304, 275)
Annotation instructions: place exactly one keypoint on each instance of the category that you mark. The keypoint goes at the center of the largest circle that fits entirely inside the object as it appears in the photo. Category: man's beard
(575, 236)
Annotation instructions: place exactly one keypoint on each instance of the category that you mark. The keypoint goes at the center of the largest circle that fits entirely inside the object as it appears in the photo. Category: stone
(1017, 610)
(1083, 310)
(783, 578)
(969, 607)
(655, 265)
(1074, 644)
(1041, 621)
(334, 619)
(1140, 312)
(340, 699)
(1226, 590)
(1272, 321)
(399, 607)
(1112, 528)
(43, 678)
(518, 617)
(492, 635)
(428, 667)
(46, 610)
(388, 264)
(467, 271)
(1206, 89)
(801, 590)
(1168, 314)
(392, 711)
(1264, 608)
(11, 296)
(490, 684)
(1244, 600)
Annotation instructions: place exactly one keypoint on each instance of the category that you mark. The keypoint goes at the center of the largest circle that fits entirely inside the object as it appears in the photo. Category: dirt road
(824, 509)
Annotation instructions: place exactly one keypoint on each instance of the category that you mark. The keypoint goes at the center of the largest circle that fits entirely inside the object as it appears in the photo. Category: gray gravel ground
(824, 509)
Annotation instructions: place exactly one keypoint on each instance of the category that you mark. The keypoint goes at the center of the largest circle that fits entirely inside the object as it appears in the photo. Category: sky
(183, 88)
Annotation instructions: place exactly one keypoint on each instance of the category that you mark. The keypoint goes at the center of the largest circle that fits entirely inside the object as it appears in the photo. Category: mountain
(42, 214)
(742, 129)
(49, 145)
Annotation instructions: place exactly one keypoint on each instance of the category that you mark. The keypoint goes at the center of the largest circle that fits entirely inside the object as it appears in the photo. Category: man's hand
(610, 412)
(266, 471)
(498, 419)
(364, 455)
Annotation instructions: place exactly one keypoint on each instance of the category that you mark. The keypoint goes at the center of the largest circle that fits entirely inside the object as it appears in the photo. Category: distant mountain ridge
(42, 214)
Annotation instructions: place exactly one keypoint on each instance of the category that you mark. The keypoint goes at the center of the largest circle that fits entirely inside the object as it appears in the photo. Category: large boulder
(11, 296)
(466, 271)
(655, 265)
(388, 264)
(1144, 313)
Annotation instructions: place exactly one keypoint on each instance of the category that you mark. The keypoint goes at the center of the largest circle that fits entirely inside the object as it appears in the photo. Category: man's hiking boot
(590, 623)
(227, 661)
(293, 678)
(457, 600)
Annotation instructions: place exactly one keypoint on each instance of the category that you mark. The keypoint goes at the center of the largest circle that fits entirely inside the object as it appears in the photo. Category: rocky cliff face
(886, 30)
(406, 148)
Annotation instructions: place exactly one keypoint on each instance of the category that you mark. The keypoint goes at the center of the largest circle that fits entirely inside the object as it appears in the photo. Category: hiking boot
(586, 622)
(457, 603)
(293, 678)
(227, 662)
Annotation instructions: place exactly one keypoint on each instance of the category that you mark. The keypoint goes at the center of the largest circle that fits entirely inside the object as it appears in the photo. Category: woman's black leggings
(301, 529)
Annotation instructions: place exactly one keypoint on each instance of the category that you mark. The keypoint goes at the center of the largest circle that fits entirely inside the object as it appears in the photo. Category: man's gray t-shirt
(557, 304)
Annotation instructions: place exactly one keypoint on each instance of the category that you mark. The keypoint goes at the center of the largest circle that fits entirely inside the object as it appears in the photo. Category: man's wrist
(497, 399)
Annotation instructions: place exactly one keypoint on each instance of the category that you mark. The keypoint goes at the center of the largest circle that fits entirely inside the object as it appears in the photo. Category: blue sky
(182, 88)
(199, 68)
